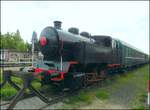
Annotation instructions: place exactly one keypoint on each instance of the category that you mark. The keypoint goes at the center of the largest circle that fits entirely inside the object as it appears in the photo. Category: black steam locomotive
(72, 60)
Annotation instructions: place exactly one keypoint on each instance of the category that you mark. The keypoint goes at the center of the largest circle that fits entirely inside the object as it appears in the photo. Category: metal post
(148, 98)
(19, 57)
(32, 52)
(148, 95)
(34, 37)
(61, 60)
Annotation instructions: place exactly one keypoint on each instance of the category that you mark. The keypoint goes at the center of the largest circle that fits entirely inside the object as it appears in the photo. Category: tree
(28, 46)
(13, 41)
(20, 45)
(2, 41)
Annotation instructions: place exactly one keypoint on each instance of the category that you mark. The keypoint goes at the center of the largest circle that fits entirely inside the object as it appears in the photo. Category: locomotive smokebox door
(49, 42)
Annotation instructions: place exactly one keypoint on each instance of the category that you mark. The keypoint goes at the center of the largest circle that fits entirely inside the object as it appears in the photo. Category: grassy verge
(135, 83)
(86, 97)
(83, 96)
(131, 84)
(140, 103)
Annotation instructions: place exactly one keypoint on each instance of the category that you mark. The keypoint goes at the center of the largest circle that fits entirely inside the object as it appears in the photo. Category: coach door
(114, 52)
(118, 51)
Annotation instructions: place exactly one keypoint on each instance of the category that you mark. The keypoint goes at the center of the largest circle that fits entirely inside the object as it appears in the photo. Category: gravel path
(123, 93)
(31, 103)
(99, 104)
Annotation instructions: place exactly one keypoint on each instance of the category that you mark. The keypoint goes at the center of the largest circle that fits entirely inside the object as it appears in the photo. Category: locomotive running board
(92, 78)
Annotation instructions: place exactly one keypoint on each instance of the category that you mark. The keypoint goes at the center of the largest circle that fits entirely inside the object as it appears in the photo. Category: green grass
(139, 78)
(1, 80)
(87, 96)
(102, 94)
(17, 80)
(36, 85)
(7, 93)
(140, 101)
(83, 96)
(141, 85)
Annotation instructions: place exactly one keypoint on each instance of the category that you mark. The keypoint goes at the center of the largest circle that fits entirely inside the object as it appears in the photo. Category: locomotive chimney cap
(57, 24)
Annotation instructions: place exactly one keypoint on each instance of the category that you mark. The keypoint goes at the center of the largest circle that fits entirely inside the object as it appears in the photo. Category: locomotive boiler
(83, 48)
(56, 42)
(73, 59)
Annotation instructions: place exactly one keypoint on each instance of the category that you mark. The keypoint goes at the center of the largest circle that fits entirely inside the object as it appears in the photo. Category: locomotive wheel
(72, 80)
(73, 83)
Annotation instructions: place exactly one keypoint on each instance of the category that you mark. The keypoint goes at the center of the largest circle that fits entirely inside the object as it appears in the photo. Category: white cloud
(126, 20)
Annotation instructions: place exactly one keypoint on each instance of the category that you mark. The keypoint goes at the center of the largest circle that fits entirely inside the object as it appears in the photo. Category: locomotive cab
(103, 40)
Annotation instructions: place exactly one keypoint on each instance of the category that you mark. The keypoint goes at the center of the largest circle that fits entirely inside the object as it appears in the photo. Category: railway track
(27, 77)
(24, 97)
(53, 99)
(57, 99)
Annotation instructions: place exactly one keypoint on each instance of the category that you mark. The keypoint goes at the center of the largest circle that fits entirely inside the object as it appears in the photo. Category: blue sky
(125, 20)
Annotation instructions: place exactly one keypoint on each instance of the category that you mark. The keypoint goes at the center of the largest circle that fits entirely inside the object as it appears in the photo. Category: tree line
(13, 41)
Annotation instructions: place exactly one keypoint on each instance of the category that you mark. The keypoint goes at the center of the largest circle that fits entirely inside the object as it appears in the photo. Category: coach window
(107, 42)
(113, 44)
(117, 44)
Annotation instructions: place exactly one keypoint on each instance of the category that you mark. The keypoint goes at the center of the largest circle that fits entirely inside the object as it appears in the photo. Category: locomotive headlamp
(43, 41)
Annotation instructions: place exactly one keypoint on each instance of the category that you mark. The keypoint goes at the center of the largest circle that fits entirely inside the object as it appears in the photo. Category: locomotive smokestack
(57, 24)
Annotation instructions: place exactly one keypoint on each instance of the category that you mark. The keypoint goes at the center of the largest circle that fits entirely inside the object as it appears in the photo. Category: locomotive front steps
(27, 78)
